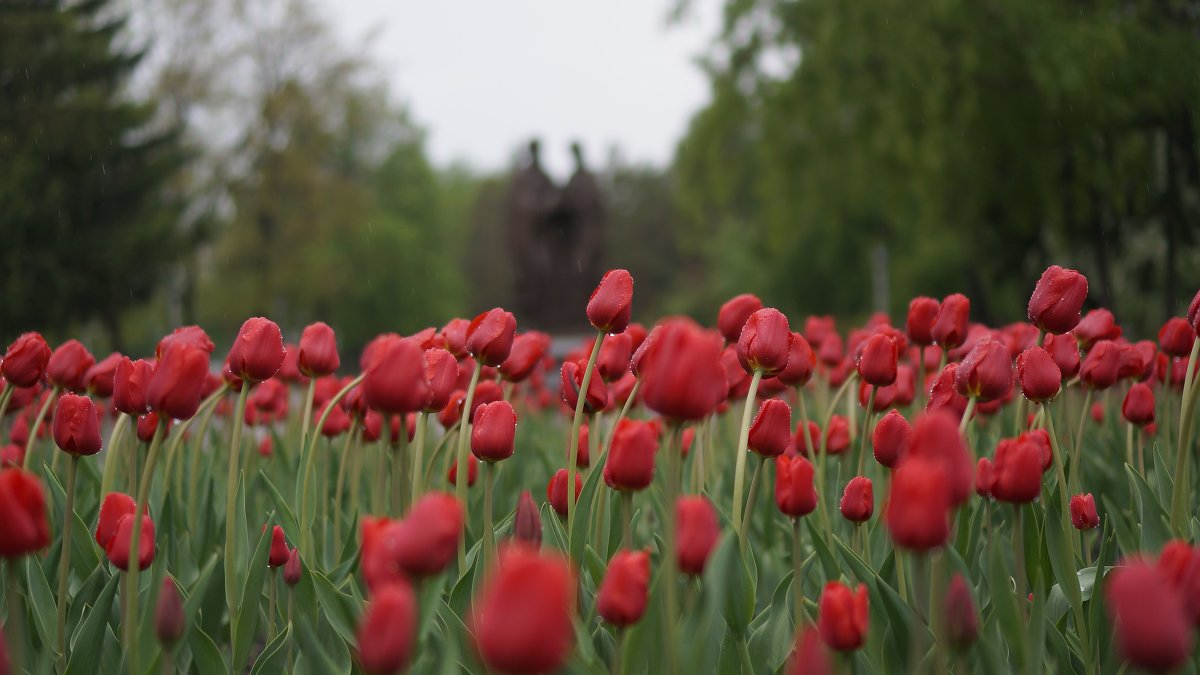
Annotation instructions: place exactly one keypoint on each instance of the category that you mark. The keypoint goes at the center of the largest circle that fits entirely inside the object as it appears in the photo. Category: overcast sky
(484, 76)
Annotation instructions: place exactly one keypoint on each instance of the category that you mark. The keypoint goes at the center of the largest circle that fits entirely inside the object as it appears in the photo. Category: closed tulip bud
(1138, 406)
(1101, 365)
(318, 351)
(922, 312)
(556, 491)
(113, 508)
(99, 378)
(266, 447)
(169, 621)
(630, 463)
(611, 303)
(190, 335)
(1083, 512)
(765, 342)
(472, 471)
(696, 533)
(130, 382)
(1057, 299)
(257, 351)
(527, 523)
(844, 616)
(572, 380)
(943, 393)
(289, 370)
(800, 364)
(147, 426)
(26, 360)
(858, 500)
(1019, 468)
(1176, 337)
(771, 431)
(12, 456)
(490, 336)
(985, 478)
(680, 370)
(279, 553)
(889, 441)
(68, 366)
(427, 539)
(24, 528)
(1148, 616)
(811, 657)
(961, 616)
(837, 435)
(119, 545)
(388, 630)
(819, 328)
(293, 568)
(1189, 588)
(522, 618)
(1065, 352)
(77, 425)
(1193, 313)
(178, 380)
(950, 325)
(441, 375)
(621, 600)
(528, 350)
(795, 494)
(494, 432)
(1038, 375)
(918, 508)
(336, 424)
(830, 351)
(737, 379)
(986, 373)
(1097, 325)
(878, 360)
(394, 381)
(613, 360)
(733, 315)
(1174, 560)
(935, 436)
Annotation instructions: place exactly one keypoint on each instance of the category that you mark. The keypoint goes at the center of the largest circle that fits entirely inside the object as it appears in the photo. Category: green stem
(418, 470)
(272, 582)
(972, 401)
(1077, 450)
(573, 441)
(823, 504)
(901, 580)
(1018, 542)
(110, 458)
(306, 506)
(308, 406)
(231, 488)
(489, 534)
(938, 577)
(670, 568)
(208, 407)
(626, 519)
(37, 424)
(1182, 450)
(1129, 445)
(751, 497)
(15, 620)
(866, 430)
(618, 651)
(739, 473)
(131, 575)
(5, 397)
(435, 457)
(399, 459)
(64, 564)
(460, 483)
(744, 656)
(1057, 456)
(797, 576)
(341, 481)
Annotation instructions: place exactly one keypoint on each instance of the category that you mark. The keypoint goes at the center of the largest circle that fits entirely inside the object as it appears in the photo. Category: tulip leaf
(828, 564)
(196, 593)
(339, 608)
(1162, 472)
(1153, 523)
(1004, 604)
(41, 600)
(583, 514)
(430, 594)
(246, 622)
(771, 642)
(287, 519)
(205, 655)
(273, 656)
(310, 645)
(88, 641)
(1095, 595)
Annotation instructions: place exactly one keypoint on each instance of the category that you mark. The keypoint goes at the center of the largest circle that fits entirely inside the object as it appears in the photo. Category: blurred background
(368, 163)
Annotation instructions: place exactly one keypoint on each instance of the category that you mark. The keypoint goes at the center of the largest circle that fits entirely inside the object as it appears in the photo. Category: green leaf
(287, 518)
(583, 514)
(1153, 525)
(205, 654)
(88, 641)
(340, 609)
(196, 592)
(1004, 604)
(310, 646)
(729, 569)
(41, 600)
(246, 622)
(772, 641)
(272, 658)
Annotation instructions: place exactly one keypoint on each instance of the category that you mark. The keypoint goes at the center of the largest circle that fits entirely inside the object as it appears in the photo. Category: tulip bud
(613, 360)
(890, 439)
(318, 351)
(878, 360)
(26, 360)
(1019, 465)
(1057, 299)
(985, 478)
(293, 568)
(1083, 512)
(765, 342)
(922, 312)
(394, 381)
(257, 351)
(918, 506)
(472, 471)
(68, 366)
(986, 373)
(556, 491)
(147, 427)
(119, 546)
(1152, 628)
(99, 378)
(169, 621)
(680, 370)
(858, 500)
(527, 352)
(950, 325)
(24, 528)
(630, 463)
(611, 303)
(427, 539)
(1138, 406)
(943, 393)
(582, 455)
(279, 553)
(12, 456)
(494, 433)
(1176, 337)
(800, 364)
(1098, 324)
(622, 597)
(130, 382)
(696, 533)
(795, 494)
(1038, 375)
(837, 435)
(811, 657)
(177, 381)
(1193, 313)
(1065, 352)
(490, 336)
(771, 431)
(1102, 365)
(572, 380)
(733, 315)
(844, 616)
(77, 425)
(1173, 561)
(961, 616)
(527, 523)
(830, 352)
(388, 630)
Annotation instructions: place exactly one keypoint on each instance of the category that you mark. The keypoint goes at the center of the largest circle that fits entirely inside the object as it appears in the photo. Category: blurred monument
(556, 238)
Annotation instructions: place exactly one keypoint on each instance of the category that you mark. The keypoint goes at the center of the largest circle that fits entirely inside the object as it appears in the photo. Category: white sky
(484, 76)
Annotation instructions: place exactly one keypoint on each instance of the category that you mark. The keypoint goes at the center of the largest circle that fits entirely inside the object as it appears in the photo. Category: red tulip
(556, 491)
(837, 435)
(582, 457)
(1138, 406)
(293, 568)
(943, 393)
(613, 360)
(147, 426)
(336, 424)
(257, 351)
(986, 373)
(1038, 375)
(119, 545)
(1019, 466)
(819, 328)
(795, 494)
(878, 360)
(1176, 337)
(737, 379)
(890, 439)
(12, 456)
(961, 615)
(527, 523)
(572, 380)
(99, 378)
(26, 360)
(521, 620)
(765, 342)
(441, 375)
(696, 533)
(1057, 299)
(630, 463)
(388, 630)
(1193, 313)
(733, 315)
(178, 380)
(811, 657)
(130, 382)
(494, 432)
(844, 616)
(918, 507)
(611, 303)
(1174, 560)
(1152, 628)
(830, 351)
(922, 312)
(24, 528)
(318, 351)
(771, 431)
(77, 425)
(528, 350)
(1101, 365)
(1083, 512)
(394, 381)
(427, 539)
(935, 436)
(280, 553)
(189, 335)
(950, 325)
(800, 364)
(472, 471)
(1018, 337)
(858, 500)
(1099, 324)
(490, 336)
(680, 370)
(68, 365)
(169, 620)
(985, 478)
(622, 597)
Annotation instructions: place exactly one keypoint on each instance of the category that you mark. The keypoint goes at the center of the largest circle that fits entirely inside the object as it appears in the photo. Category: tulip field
(766, 495)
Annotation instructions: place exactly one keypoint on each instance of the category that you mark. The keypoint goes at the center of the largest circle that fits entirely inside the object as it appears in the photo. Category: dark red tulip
(1174, 560)
(696, 533)
(190, 335)
(293, 568)
(1102, 365)
(427, 539)
(454, 333)
(1098, 324)
(1057, 299)
(336, 424)
(528, 350)
(388, 630)
(844, 616)
(795, 494)
(131, 379)
(452, 413)
(394, 381)
(986, 373)
(985, 478)
(837, 435)
(772, 428)
(935, 436)
(622, 389)
(858, 500)
(878, 360)
(1146, 351)
(472, 471)
(922, 312)
(630, 463)
(178, 380)
(733, 315)
(147, 426)
(521, 620)
(681, 373)
(494, 432)
(830, 352)
(1018, 337)
(572, 380)
(1065, 352)
(77, 425)
(613, 360)
(1151, 626)
(318, 351)
(1176, 337)
(556, 491)
(490, 336)
(819, 328)
(889, 441)
(737, 379)
(266, 447)
(99, 378)
(114, 507)
(961, 615)
(943, 393)
(765, 342)
(917, 511)
(1138, 406)
(1083, 512)
(1193, 313)
(257, 351)
(527, 523)
(1038, 375)
(800, 364)
(119, 545)
(622, 597)
(169, 620)
(611, 303)
(485, 393)
(279, 553)
(24, 528)
(1189, 587)
(950, 325)
(68, 366)
(1019, 466)
(26, 360)
(441, 375)
(811, 657)
(12, 456)
(1133, 363)
(289, 370)
(583, 455)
